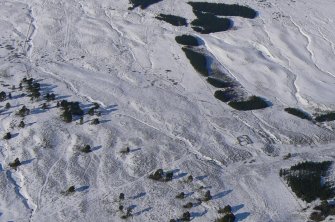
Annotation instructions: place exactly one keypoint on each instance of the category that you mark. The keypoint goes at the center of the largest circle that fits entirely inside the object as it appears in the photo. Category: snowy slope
(153, 101)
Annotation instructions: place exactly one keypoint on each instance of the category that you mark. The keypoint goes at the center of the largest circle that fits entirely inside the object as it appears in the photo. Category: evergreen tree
(21, 125)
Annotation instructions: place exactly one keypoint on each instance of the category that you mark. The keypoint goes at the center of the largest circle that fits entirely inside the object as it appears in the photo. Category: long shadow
(201, 177)
(221, 194)
(178, 176)
(6, 113)
(105, 121)
(109, 109)
(134, 150)
(96, 148)
(189, 194)
(82, 188)
(142, 194)
(237, 208)
(25, 162)
(38, 111)
(198, 214)
(142, 211)
(241, 216)
(30, 124)
(14, 135)
(62, 97)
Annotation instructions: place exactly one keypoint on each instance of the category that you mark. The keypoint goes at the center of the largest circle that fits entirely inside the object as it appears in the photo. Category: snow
(99, 51)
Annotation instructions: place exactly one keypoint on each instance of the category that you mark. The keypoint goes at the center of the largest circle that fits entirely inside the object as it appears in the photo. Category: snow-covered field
(152, 100)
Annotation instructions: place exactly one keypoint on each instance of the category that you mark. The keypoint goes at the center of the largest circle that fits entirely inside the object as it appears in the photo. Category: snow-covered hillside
(153, 101)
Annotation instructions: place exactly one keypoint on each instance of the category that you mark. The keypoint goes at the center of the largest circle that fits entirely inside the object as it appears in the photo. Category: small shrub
(186, 216)
(91, 111)
(15, 164)
(226, 210)
(7, 136)
(21, 124)
(226, 218)
(71, 189)
(188, 205)
(287, 156)
(95, 121)
(157, 175)
(169, 176)
(50, 96)
(128, 213)
(2, 96)
(7, 106)
(96, 106)
(24, 111)
(190, 178)
(121, 207)
(44, 106)
(86, 149)
(125, 150)
(121, 196)
(181, 195)
(81, 120)
(67, 116)
(208, 196)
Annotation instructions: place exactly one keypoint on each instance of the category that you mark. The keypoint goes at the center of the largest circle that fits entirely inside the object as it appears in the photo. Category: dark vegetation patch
(70, 109)
(143, 4)
(219, 83)
(322, 211)
(253, 103)
(325, 117)
(188, 40)
(306, 180)
(299, 113)
(208, 23)
(160, 175)
(224, 9)
(172, 19)
(198, 60)
(225, 95)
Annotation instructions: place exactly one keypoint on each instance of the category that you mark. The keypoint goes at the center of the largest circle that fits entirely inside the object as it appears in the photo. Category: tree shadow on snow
(82, 188)
(134, 150)
(96, 148)
(25, 162)
(198, 214)
(221, 194)
(237, 208)
(142, 194)
(142, 211)
(241, 216)
(201, 177)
